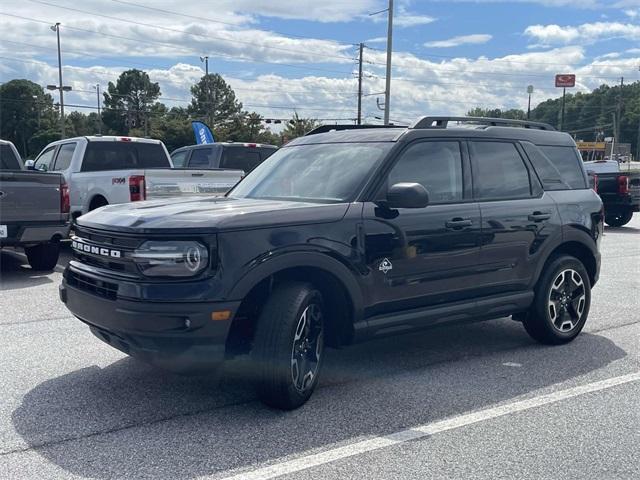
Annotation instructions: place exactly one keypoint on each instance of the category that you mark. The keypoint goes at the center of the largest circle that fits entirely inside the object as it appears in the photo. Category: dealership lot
(72, 407)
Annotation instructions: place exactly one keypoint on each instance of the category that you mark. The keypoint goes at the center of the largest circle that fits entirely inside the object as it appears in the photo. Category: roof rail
(442, 122)
(329, 128)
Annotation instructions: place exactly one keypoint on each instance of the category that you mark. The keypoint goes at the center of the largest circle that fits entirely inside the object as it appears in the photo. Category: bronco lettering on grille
(95, 250)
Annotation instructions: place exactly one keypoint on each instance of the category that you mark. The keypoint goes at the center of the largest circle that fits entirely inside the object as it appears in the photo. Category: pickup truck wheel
(618, 218)
(43, 257)
(288, 346)
(561, 302)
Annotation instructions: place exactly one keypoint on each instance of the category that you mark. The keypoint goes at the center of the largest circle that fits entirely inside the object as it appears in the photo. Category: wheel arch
(579, 249)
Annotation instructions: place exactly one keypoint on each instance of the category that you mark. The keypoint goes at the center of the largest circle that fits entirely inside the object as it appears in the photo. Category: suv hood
(209, 214)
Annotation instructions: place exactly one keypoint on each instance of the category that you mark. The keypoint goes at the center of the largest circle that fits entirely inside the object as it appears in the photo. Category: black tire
(618, 218)
(561, 304)
(285, 341)
(43, 257)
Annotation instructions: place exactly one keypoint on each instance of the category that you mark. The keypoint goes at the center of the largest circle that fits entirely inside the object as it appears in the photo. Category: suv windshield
(330, 172)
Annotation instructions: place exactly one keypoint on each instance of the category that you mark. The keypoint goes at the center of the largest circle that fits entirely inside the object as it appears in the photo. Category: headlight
(171, 258)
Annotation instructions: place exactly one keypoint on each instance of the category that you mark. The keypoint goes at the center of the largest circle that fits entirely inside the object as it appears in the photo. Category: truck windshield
(330, 172)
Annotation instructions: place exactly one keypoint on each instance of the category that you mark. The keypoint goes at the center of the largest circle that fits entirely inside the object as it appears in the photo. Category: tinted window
(499, 171)
(321, 172)
(8, 159)
(179, 159)
(435, 165)
(201, 158)
(568, 162)
(43, 162)
(63, 159)
(547, 172)
(123, 155)
(240, 158)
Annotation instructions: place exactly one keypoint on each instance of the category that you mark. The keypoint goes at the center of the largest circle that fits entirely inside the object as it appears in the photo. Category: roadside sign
(565, 80)
(530, 89)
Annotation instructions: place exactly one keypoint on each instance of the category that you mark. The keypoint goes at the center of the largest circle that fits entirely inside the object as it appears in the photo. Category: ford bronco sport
(343, 235)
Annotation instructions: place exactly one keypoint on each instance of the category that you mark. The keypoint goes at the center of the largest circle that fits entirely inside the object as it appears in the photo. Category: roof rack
(442, 122)
(329, 128)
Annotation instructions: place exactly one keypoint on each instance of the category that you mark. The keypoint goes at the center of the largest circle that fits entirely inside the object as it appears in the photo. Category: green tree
(25, 109)
(128, 102)
(298, 126)
(214, 102)
(512, 114)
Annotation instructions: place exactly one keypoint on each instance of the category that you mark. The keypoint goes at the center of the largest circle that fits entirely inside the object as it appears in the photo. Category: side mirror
(30, 165)
(407, 195)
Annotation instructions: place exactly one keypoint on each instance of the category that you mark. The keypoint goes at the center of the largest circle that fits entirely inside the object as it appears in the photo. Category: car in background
(619, 191)
(104, 170)
(34, 209)
(233, 155)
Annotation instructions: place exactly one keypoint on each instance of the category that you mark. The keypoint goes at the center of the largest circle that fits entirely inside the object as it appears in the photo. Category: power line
(175, 46)
(185, 32)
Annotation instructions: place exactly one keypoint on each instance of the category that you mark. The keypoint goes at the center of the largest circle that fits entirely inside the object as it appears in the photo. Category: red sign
(565, 80)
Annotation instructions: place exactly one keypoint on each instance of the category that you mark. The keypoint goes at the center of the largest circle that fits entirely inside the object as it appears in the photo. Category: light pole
(97, 87)
(387, 91)
(529, 91)
(56, 28)
(205, 59)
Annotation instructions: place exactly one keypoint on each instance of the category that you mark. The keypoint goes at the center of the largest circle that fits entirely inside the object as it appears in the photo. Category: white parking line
(313, 460)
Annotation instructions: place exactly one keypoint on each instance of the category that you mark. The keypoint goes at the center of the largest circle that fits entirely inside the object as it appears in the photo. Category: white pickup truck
(106, 170)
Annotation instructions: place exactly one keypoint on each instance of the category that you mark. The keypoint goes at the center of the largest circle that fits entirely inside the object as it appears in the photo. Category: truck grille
(100, 288)
(106, 251)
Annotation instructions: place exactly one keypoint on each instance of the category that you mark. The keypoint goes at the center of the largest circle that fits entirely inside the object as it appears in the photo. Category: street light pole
(97, 87)
(529, 91)
(387, 90)
(359, 119)
(205, 59)
(56, 28)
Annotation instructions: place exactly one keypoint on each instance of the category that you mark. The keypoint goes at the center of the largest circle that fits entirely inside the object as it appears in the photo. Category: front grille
(123, 265)
(100, 288)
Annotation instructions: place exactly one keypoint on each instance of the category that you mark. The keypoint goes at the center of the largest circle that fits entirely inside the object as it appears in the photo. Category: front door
(423, 256)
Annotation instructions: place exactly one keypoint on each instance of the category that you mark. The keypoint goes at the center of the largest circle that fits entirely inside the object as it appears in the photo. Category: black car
(343, 236)
(231, 155)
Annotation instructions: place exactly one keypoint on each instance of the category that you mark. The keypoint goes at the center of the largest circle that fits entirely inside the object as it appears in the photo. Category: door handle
(458, 223)
(539, 216)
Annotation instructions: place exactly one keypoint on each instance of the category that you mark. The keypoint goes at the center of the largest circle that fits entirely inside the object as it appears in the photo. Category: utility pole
(205, 59)
(616, 131)
(529, 91)
(97, 87)
(387, 90)
(56, 28)
(359, 120)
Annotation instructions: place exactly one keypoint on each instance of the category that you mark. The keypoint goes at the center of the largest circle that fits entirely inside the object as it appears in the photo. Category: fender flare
(321, 261)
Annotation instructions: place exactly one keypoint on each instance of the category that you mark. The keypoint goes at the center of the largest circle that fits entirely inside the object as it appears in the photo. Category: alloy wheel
(307, 347)
(567, 300)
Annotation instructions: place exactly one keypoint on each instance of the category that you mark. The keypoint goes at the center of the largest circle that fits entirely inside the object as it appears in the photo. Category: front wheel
(288, 346)
(618, 218)
(561, 303)
(43, 257)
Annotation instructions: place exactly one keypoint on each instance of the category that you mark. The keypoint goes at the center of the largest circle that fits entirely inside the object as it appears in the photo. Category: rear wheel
(618, 218)
(561, 304)
(289, 344)
(43, 257)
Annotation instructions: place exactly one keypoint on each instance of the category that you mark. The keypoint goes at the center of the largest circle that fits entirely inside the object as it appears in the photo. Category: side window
(179, 159)
(201, 158)
(547, 172)
(65, 154)
(568, 162)
(43, 162)
(239, 158)
(435, 165)
(8, 159)
(499, 171)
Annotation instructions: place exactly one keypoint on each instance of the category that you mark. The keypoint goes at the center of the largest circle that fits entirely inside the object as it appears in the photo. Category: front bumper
(178, 336)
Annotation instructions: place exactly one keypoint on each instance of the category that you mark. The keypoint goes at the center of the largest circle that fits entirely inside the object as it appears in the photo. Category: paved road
(477, 401)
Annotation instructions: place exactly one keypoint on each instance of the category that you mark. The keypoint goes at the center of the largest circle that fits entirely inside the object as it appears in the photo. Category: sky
(300, 56)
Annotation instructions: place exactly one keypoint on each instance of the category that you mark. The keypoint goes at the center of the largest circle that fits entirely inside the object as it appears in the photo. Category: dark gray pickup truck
(34, 209)
(620, 191)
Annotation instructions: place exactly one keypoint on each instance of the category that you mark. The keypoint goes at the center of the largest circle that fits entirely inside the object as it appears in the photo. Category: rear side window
(499, 172)
(43, 162)
(549, 175)
(240, 158)
(8, 159)
(101, 156)
(65, 154)
(201, 158)
(179, 159)
(568, 162)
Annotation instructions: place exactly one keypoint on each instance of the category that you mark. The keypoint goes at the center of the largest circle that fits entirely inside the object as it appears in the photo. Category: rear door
(424, 256)
(518, 218)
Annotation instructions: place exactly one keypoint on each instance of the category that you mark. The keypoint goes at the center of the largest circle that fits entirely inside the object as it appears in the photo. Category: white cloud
(586, 33)
(412, 20)
(473, 39)
(632, 13)
(377, 40)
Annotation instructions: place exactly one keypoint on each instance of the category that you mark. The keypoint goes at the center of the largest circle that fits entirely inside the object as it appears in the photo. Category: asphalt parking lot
(474, 401)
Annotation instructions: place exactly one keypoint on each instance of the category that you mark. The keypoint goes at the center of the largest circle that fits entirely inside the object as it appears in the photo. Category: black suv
(343, 236)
